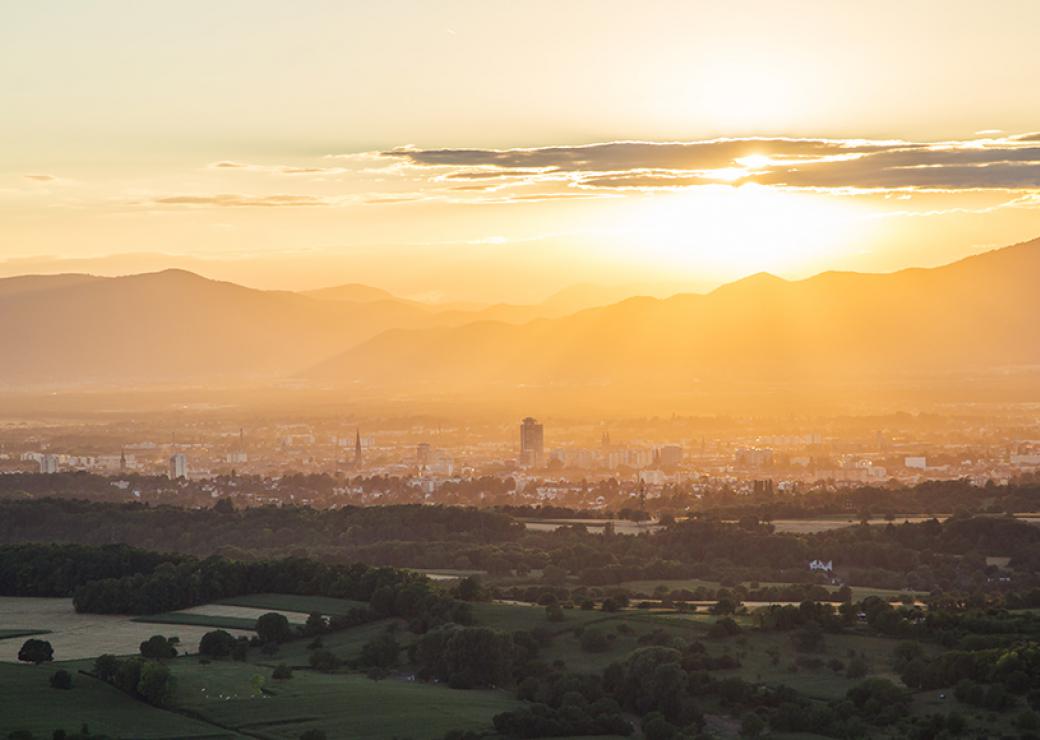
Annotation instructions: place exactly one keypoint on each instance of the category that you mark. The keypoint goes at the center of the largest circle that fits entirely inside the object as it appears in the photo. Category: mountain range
(175, 327)
(975, 315)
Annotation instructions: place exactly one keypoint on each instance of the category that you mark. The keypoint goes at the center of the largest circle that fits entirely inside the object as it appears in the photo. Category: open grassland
(243, 697)
(344, 644)
(287, 603)
(512, 617)
(767, 657)
(27, 702)
(756, 651)
(86, 635)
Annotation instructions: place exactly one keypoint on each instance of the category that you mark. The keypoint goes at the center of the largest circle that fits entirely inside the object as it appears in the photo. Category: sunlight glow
(734, 231)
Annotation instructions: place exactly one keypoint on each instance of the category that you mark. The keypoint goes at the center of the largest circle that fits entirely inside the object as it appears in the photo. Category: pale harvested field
(245, 612)
(75, 636)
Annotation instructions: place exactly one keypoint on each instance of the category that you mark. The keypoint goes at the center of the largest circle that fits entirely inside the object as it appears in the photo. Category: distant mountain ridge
(175, 327)
(172, 326)
(973, 315)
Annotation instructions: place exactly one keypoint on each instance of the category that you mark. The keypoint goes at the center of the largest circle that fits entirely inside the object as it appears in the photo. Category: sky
(502, 150)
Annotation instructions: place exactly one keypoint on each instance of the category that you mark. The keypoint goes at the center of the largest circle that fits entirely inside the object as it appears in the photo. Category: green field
(512, 617)
(27, 702)
(292, 603)
(6, 634)
(199, 620)
(344, 644)
(224, 698)
(343, 706)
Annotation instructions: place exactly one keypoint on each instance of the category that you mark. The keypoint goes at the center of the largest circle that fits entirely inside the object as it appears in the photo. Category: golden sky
(485, 150)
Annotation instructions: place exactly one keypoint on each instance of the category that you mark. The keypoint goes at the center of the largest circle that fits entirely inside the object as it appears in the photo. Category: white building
(178, 466)
(918, 462)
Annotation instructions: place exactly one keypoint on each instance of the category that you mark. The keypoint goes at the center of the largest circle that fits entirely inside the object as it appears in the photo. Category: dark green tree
(273, 627)
(36, 651)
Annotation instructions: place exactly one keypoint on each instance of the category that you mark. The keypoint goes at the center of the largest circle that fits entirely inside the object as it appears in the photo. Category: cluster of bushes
(927, 556)
(466, 657)
(203, 532)
(58, 570)
(563, 703)
(148, 680)
(988, 696)
(1015, 669)
(177, 584)
(652, 679)
(222, 644)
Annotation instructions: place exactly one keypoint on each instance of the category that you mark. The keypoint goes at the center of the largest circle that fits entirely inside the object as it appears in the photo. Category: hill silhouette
(975, 315)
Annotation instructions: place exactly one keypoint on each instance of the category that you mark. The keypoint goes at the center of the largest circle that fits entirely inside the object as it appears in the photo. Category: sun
(726, 232)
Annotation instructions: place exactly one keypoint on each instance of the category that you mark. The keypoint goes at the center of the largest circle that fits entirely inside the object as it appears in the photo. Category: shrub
(323, 660)
(554, 613)
(61, 680)
(216, 644)
(105, 667)
(594, 641)
(158, 647)
(273, 627)
(36, 651)
(857, 668)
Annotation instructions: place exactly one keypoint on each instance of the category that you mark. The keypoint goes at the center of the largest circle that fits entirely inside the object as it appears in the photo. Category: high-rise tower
(532, 442)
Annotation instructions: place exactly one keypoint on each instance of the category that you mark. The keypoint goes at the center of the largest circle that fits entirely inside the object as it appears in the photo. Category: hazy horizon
(483, 153)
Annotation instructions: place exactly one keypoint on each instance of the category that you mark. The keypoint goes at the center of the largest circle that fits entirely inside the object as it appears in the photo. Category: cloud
(627, 155)
(229, 200)
(276, 169)
(1003, 163)
(40, 178)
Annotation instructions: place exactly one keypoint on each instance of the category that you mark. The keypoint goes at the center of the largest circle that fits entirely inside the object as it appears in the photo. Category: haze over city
(456, 370)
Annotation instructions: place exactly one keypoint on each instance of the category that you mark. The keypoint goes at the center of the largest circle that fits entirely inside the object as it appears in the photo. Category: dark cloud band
(1007, 163)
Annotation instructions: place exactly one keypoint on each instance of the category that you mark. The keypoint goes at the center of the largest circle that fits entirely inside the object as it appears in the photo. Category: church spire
(357, 447)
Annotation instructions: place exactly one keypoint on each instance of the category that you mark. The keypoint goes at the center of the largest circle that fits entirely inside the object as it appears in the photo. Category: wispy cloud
(276, 169)
(230, 200)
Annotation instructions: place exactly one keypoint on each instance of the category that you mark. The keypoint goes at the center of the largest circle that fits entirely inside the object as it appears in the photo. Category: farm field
(27, 702)
(287, 603)
(343, 706)
(76, 636)
(226, 698)
(219, 616)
